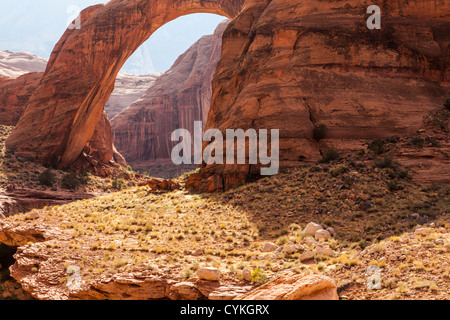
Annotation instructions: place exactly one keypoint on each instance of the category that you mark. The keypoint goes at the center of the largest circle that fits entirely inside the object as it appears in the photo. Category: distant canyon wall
(182, 95)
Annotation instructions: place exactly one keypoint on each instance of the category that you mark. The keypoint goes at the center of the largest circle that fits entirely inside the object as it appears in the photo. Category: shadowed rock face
(65, 108)
(287, 65)
(178, 98)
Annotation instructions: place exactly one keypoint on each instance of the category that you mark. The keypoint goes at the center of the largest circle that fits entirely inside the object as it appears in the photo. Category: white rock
(209, 273)
(269, 247)
(311, 229)
(308, 255)
(324, 251)
(289, 249)
(322, 235)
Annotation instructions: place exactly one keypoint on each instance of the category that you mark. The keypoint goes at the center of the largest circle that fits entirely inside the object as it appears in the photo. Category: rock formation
(16, 92)
(178, 98)
(14, 96)
(285, 65)
(128, 88)
(64, 110)
(16, 64)
(292, 286)
(293, 66)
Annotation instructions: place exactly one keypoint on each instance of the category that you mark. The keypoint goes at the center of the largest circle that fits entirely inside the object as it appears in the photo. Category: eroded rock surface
(295, 65)
(293, 286)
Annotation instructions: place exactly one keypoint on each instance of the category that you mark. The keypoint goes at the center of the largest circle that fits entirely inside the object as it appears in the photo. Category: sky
(36, 26)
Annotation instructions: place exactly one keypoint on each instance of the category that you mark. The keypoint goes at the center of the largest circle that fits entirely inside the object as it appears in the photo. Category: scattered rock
(422, 232)
(269, 247)
(415, 216)
(198, 252)
(331, 231)
(275, 268)
(308, 255)
(247, 275)
(289, 249)
(392, 257)
(324, 251)
(311, 229)
(209, 273)
(310, 242)
(322, 235)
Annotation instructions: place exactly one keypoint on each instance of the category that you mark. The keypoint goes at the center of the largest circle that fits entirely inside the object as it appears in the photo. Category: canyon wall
(295, 65)
(178, 98)
(127, 89)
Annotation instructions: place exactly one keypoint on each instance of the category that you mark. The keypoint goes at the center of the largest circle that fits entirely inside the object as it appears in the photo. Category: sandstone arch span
(62, 115)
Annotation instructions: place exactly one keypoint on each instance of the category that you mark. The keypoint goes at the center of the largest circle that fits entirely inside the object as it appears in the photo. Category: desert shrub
(385, 163)
(118, 184)
(259, 276)
(404, 174)
(447, 104)
(339, 170)
(377, 146)
(329, 156)
(418, 142)
(320, 132)
(432, 142)
(54, 162)
(393, 185)
(71, 181)
(47, 178)
(84, 176)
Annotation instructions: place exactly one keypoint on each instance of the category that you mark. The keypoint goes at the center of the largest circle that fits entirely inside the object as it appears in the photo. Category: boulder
(269, 247)
(322, 235)
(293, 286)
(311, 228)
(209, 274)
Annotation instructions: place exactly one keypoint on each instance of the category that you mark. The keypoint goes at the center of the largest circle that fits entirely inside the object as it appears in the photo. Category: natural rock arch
(67, 105)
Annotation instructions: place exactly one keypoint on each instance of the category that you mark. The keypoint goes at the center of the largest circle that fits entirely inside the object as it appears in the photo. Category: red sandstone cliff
(178, 98)
(294, 65)
(14, 95)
